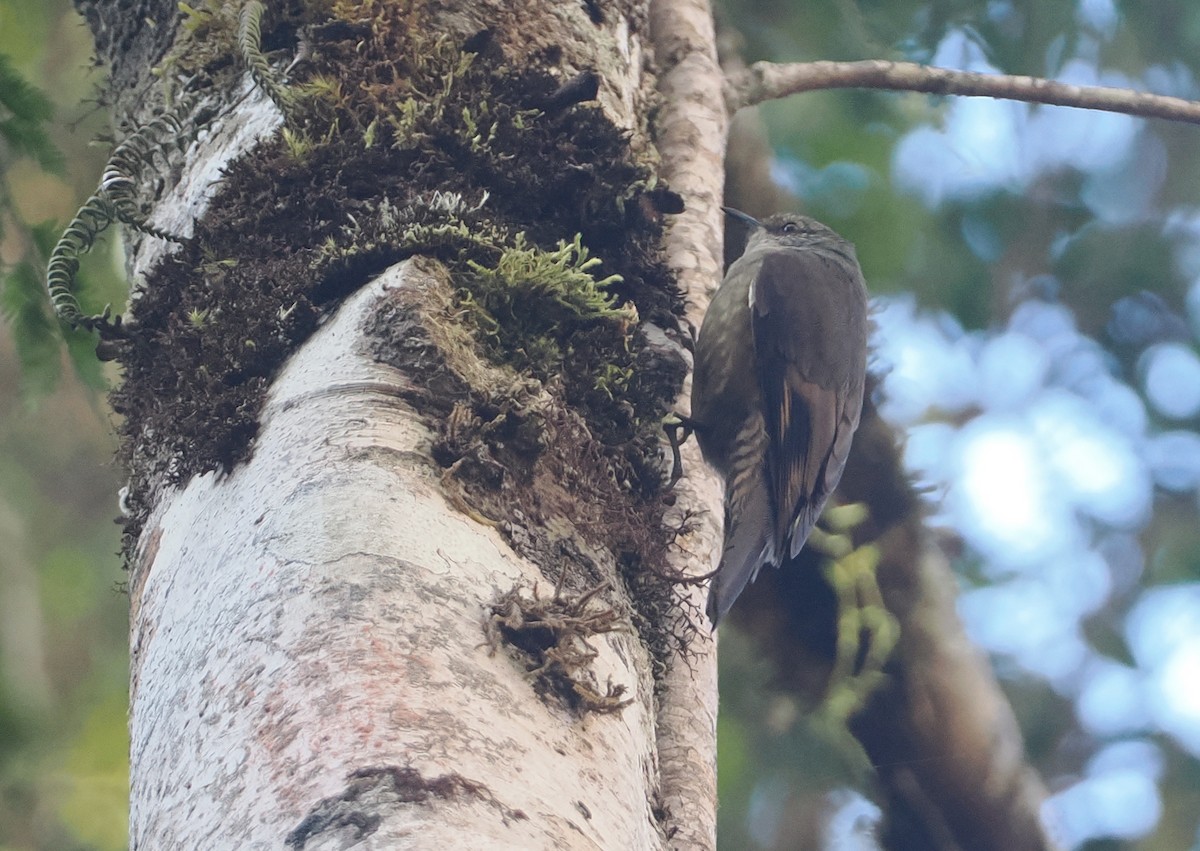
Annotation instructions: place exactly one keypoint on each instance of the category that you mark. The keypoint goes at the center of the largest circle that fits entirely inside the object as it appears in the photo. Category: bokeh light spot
(1171, 377)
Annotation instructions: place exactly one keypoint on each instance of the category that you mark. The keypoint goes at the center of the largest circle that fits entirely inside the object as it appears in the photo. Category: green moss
(532, 302)
(207, 35)
(298, 144)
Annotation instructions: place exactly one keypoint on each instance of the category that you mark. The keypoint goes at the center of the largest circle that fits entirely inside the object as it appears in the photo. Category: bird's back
(777, 390)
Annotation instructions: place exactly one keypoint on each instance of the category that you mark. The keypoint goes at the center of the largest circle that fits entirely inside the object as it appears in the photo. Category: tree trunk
(388, 587)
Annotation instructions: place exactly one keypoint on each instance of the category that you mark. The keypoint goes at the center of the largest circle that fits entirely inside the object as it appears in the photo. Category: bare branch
(767, 80)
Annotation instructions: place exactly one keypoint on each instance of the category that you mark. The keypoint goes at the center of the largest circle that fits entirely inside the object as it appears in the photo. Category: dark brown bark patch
(372, 793)
(550, 637)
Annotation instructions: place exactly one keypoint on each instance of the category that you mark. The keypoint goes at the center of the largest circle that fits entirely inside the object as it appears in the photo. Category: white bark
(251, 118)
(318, 611)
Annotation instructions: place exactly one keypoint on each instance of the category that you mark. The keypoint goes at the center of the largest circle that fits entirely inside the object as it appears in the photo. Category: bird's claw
(678, 429)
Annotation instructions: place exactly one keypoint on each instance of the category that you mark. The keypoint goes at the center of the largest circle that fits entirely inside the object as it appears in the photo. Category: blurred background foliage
(1038, 275)
(63, 656)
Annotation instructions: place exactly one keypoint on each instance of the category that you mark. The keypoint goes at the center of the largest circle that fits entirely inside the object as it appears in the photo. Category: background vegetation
(1037, 273)
(63, 657)
(1039, 306)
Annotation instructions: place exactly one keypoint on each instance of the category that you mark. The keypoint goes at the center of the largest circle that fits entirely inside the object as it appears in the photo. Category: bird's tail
(749, 544)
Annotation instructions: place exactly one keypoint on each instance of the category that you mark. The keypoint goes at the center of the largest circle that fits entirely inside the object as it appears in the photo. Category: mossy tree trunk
(398, 542)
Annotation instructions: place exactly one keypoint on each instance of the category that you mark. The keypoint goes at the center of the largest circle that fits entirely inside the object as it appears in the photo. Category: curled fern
(114, 201)
(91, 220)
(119, 180)
(250, 43)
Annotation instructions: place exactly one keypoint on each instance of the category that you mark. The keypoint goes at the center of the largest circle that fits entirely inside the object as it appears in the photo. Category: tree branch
(690, 136)
(765, 81)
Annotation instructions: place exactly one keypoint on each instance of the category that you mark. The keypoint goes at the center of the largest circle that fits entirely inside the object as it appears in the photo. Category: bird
(777, 390)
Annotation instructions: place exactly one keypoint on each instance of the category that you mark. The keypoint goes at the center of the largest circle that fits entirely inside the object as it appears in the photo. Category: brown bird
(777, 390)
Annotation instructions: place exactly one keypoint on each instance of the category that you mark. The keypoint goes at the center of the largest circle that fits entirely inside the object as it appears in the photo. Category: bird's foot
(678, 429)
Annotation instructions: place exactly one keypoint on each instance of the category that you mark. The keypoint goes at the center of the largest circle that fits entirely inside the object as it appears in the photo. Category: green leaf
(23, 100)
(81, 350)
(24, 306)
(24, 112)
(27, 139)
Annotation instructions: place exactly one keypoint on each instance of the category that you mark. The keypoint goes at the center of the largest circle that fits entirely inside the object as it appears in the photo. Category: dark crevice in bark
(374, 793)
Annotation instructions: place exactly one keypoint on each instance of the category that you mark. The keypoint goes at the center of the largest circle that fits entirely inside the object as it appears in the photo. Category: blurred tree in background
(1038, 274)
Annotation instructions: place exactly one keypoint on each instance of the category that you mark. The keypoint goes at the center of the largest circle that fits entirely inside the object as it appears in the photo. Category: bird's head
(789, 230)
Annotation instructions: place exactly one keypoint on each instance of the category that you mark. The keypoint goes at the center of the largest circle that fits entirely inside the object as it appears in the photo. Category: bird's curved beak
(744, 218)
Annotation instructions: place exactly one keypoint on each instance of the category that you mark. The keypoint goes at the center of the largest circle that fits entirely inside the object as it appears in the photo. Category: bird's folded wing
(804, 364)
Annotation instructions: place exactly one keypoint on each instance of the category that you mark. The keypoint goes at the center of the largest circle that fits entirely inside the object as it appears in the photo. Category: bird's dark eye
(790, 227)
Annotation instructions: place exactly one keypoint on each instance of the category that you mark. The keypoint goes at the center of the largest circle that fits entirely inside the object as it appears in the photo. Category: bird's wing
(808, 317)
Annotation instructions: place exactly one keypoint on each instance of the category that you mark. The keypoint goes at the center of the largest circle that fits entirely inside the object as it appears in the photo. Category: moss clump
(400, 144)
(532, 303)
